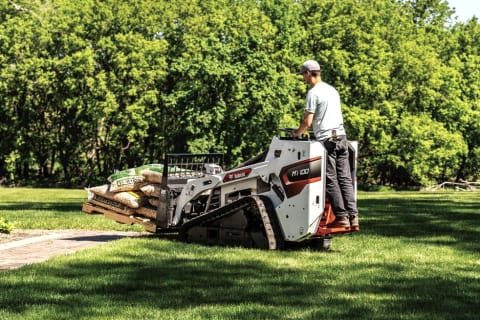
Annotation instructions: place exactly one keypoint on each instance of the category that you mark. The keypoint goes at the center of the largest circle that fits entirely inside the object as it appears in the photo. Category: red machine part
(328, 218)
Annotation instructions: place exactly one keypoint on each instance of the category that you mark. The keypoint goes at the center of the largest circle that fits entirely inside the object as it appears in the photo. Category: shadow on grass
(431, 220)
(73, 206)
(173, 283)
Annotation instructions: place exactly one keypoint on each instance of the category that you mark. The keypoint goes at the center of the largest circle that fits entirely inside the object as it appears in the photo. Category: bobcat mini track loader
(272, 201)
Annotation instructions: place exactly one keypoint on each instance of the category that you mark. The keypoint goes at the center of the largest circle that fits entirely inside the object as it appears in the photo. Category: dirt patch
(22, 247)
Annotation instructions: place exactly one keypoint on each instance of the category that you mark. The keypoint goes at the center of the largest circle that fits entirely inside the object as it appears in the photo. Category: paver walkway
(31, 246)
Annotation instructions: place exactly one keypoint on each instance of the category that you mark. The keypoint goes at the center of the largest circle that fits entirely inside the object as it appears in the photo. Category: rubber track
(262, 207)
(270, 222)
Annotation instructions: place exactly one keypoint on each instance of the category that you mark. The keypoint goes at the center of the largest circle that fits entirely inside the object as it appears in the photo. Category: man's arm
(306, 123)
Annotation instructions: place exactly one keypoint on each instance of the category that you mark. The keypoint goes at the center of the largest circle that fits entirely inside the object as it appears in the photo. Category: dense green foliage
(87, 87)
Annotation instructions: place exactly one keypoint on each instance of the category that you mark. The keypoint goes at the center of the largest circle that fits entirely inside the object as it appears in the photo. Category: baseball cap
(309, 65)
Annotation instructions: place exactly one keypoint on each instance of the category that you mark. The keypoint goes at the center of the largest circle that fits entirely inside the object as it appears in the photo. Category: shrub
(5, 226)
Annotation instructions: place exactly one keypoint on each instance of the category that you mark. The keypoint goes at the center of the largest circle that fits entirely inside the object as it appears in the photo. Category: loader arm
(192, 190)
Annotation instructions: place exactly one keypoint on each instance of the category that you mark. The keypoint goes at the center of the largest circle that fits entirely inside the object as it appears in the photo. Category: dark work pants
(339, 179)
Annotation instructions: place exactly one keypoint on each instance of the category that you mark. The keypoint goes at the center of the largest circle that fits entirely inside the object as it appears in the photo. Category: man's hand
(306, 123)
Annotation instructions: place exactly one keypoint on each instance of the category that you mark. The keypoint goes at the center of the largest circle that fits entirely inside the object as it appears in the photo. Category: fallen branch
(459, 186)
(22, 9)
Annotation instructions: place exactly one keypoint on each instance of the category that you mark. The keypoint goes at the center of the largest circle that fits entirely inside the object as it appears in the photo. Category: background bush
(5, 226)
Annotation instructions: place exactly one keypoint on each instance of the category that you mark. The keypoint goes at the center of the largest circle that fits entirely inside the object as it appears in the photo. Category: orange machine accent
(328, 217)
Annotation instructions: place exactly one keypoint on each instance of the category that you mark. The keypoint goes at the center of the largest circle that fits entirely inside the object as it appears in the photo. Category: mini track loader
(272, 201)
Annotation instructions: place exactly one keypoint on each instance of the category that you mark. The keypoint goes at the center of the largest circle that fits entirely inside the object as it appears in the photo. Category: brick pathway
(31, 246)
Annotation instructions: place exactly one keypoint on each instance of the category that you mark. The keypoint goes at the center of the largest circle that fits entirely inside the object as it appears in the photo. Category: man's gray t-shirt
(324, 101)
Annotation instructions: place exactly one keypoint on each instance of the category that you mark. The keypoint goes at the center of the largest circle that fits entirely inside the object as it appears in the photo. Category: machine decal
(296, 176)
(239, 174)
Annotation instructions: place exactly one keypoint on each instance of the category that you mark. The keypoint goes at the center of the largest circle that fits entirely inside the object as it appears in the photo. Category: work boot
(340, 222)
(354, 221)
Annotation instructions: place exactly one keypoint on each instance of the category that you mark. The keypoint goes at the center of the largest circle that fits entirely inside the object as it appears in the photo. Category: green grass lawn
(417, 256)
(27, 208)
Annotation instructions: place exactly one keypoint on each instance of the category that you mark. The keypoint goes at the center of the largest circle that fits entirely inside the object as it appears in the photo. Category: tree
(87, 87)
(426, 151)
(221, 75)
(463, 113)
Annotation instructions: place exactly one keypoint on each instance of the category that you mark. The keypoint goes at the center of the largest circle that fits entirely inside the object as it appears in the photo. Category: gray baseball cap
(309, 65)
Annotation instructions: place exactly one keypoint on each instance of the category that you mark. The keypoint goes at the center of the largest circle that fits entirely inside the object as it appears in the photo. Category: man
(323, 111)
